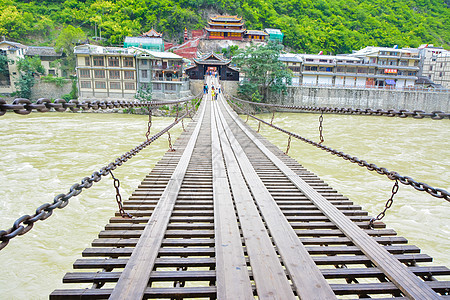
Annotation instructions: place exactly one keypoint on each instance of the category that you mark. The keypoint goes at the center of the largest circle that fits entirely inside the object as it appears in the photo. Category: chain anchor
(119, 197)
(259, 126)
(386, 206)
(273, 116)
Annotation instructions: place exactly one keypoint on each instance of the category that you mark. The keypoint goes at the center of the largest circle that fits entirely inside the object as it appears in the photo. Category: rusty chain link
(321, 128)
(24, 106)
(182, 125)
(392, 175)
(149, 124)
(386, 206)
(169, 139)
(402, 113)
(119, 197)
(24, 224)
(288, 145)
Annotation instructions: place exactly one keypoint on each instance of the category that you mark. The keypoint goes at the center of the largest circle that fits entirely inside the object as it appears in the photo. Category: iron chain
(388, 205)
(402, 113)
(119, 197)
(24, 224)
(149, 124)
(24, 106)
(420, 186)
(321, 128)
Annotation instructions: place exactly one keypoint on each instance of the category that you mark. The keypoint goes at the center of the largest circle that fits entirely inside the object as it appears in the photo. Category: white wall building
(366, 68)
(13, 52)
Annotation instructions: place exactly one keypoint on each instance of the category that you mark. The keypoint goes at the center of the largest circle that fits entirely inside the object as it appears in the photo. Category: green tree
(263, 71)
(28, 67)
(144, 93)
(65, 43)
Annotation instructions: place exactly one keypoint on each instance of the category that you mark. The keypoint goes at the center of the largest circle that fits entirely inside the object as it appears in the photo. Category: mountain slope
(334, 26)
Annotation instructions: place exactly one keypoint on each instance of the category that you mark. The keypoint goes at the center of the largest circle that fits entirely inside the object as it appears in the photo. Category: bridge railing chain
(25, 223)
(402, 113)
(24, 106)
(392, 175)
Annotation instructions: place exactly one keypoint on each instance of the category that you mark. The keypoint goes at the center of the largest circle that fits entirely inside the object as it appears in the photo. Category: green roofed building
(274, 34)
(151, 40)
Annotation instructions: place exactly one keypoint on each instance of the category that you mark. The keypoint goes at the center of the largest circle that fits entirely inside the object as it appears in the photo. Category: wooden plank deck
(230, 216)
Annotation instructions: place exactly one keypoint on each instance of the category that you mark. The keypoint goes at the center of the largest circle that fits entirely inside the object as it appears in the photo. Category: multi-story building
(225, 28)
(13, 52)
(118, 73)
(369, 67)
(162, 72)
(397, 68)
(105, 72)
(16, 51)
(294, 63)
(435, 64)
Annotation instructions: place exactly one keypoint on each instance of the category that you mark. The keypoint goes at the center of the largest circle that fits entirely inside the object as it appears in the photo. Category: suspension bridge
(227, 215)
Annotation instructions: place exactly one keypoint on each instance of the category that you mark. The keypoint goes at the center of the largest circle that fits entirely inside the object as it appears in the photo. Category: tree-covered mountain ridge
(309, 26)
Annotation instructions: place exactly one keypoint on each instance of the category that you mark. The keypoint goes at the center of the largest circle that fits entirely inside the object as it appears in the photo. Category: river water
(42, 155)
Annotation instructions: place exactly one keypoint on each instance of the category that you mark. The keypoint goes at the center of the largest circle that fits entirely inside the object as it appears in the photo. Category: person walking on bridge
(213, 95)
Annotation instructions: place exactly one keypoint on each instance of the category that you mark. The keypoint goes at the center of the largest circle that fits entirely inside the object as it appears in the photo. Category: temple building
(212, 63)
(256, 35)
(225, 28)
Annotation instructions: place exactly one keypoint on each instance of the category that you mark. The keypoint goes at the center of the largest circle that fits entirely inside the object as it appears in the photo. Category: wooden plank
(80, 277)
(134, 278)
(269, 275)
(406, 281)
(233, 281)
(306, 277)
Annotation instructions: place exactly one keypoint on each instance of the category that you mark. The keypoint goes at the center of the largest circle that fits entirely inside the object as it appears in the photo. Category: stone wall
(50, 90)
(364, 98)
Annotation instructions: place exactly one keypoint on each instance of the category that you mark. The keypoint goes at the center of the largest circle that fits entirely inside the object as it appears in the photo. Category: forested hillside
(334, 26)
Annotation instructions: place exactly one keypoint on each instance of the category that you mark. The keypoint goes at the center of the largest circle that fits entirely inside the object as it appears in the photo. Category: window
(128, 62)
(114, 85)
(323, 60)
(170, 87)
(113, 74)
(100, 85)
(113, 61)
(85, 73)
(87, 61)
(351, 70)
(310, 68)
(51, 72)
(440, 74)
(99, 61)
(129, 85)
(157, 86)
(340, 69)
(144, 73)
(143, 62)
(85, 84)
(128, 75)
(99, 73)
(309, 59)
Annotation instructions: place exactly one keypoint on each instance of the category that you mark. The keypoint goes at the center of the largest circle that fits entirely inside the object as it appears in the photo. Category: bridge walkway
(230, 216)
